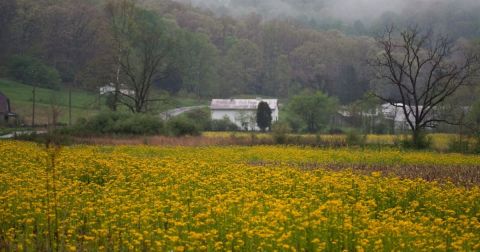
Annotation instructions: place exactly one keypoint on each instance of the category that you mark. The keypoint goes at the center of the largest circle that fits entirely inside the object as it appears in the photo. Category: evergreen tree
(264, 116)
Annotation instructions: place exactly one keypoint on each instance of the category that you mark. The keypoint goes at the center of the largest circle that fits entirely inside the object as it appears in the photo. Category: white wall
(242, 118)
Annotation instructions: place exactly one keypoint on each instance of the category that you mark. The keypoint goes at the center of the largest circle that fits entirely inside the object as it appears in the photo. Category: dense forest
(206, 49)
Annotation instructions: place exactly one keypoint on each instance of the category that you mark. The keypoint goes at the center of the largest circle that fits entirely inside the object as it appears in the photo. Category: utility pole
(33, 107)
(70, 106)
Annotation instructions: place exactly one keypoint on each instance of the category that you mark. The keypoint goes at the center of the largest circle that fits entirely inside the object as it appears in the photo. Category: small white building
(108, 89)
(242, 112)
(397, 115)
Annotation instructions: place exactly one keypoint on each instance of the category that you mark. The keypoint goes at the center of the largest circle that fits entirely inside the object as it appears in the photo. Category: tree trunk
(117, 86)
(70, 106)
(417, 138)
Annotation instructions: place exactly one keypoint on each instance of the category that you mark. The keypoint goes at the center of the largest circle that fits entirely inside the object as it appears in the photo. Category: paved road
(18, 133)
(178, 111)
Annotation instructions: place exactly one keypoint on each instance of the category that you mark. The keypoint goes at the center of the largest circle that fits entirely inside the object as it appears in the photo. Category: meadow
(262, 198)
(84, 104)
(439, 141)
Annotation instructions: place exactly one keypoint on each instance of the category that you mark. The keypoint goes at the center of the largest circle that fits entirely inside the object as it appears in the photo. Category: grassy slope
(83, 103)
(174, 101)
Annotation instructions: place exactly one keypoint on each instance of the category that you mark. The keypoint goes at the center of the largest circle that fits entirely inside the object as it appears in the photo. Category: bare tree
(423, 69)
(143, 48)
(120, 14)
(141, 66)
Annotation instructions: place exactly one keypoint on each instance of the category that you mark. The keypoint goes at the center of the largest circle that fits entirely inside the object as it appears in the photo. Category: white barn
(242, 112)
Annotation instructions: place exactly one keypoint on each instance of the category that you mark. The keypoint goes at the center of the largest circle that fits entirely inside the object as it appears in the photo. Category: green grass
(84, 103)
(175, 101)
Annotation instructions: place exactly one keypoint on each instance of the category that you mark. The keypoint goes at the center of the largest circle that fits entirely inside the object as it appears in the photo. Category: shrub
(476, 145)
(336, 131)
(465, 144)
(355, 138)
(33, 71)
(201, 117)
(182, 125)
(119, 123)
(424, 142)
(380, 128)
(458, 144)
(280, 131)
(139, 124)
(110, 101)
(223, 125)
(46, 138)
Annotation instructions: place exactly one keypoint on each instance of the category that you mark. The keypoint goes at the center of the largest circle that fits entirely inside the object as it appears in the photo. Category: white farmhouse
(397, 115)
(109, 89)
(242, 112)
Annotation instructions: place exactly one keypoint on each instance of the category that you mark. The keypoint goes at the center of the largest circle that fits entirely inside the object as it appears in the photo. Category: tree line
(148, 46)
(178, 48)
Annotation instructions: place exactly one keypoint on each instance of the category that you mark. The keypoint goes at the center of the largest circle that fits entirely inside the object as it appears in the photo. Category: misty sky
(345, 10)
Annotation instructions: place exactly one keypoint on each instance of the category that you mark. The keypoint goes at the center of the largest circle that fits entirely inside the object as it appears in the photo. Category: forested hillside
(206, 50)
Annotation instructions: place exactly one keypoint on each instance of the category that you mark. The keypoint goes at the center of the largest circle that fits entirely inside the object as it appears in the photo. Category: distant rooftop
(249, 104)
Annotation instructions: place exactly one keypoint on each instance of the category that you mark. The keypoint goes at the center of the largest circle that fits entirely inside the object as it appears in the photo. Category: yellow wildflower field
(124, 198)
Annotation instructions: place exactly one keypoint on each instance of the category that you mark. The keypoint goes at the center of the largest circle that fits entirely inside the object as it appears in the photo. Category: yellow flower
(264, 198)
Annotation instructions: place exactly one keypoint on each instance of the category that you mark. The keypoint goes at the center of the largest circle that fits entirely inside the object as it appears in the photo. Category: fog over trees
(358, 16)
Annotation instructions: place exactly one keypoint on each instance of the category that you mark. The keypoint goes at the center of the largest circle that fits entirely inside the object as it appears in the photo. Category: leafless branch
(420, 67)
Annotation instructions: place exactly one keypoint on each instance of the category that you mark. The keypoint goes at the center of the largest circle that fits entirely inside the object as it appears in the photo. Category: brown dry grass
(173, 141)
(244, 139)
(467, 176)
